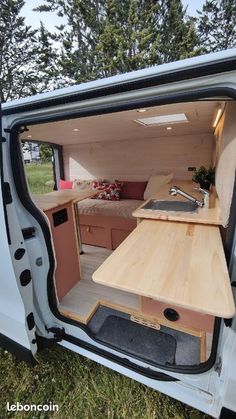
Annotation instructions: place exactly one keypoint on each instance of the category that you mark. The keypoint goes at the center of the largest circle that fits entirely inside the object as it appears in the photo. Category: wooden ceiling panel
(122, 126)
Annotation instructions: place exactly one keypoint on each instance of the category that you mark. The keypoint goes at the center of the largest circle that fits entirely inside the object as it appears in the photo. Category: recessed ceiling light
(163, 120)
(142, 110)
(75, 129)
(168, 128)
(29, 136)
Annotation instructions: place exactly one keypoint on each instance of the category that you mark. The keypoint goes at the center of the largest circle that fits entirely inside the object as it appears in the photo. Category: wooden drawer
(173, 315)
(93, 235)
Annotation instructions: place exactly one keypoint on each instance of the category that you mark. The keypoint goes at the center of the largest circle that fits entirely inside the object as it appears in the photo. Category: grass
(39, 177)
(81, 388)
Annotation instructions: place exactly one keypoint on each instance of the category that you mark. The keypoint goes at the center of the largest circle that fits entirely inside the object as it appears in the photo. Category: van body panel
(16, 296)
(208, 391)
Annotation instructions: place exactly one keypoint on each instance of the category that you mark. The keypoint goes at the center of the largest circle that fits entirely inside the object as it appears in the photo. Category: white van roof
(145, 73)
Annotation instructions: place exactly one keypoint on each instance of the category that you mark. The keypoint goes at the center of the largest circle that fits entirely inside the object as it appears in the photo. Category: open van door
(17, 326)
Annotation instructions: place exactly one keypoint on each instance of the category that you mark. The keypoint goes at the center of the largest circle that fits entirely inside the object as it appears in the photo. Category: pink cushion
(65, 184)
(132, 190)
(107, 191)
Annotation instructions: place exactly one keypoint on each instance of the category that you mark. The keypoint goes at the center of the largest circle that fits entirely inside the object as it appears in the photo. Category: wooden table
(54, 199)
(172, 262)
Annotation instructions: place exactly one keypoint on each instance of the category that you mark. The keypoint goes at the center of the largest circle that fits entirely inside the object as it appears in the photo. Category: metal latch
(57, 331)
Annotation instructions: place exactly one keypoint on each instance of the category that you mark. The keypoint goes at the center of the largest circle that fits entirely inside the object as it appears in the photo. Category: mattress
(122, 208)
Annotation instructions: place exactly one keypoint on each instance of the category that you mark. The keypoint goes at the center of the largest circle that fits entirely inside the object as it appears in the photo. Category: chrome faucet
(174, 190)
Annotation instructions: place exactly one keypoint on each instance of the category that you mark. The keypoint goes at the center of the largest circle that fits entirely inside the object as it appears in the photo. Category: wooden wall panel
(137, 160)
(226, 160)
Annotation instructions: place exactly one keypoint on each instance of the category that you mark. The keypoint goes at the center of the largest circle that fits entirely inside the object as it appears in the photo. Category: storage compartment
(174, 316)
(98, 230)
(93, 235)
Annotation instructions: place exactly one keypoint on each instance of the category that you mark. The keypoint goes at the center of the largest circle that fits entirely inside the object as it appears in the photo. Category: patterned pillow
(107, 191)
(81, 184)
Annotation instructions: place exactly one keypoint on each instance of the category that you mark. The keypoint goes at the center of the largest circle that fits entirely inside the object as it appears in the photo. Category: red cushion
(107, 191)
(132, 190)
(65, 184)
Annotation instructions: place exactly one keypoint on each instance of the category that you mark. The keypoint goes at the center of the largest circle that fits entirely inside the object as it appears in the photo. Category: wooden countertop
(176, 263)
(57, 198)
(202, 215)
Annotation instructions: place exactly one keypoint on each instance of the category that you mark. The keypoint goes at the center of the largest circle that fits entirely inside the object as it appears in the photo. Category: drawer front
(93, 235)
(174, 315)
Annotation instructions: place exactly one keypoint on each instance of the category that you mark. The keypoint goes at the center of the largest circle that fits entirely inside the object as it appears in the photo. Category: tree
(26, 55)
(108, 37)
(16, 51)
(45, 153)
(217, 25)
(178, 37)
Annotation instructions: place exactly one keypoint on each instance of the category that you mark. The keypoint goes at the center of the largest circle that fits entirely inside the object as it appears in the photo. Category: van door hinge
(218, 366)
(2, 140)
(7, 193)
(19, 130)
(57, 331)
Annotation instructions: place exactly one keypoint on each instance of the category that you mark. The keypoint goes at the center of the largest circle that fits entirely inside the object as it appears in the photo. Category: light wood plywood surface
(84, 298)
(176, 263)
(56, 198)
(202, 215)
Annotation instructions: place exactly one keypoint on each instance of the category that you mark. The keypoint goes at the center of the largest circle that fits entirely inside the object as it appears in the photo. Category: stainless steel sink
(156, 205)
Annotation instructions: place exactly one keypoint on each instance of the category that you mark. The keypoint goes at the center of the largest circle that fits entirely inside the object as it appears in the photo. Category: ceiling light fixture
(168, 128)
(75, 129)
(217, 118)
(142, 110)
(29, 136)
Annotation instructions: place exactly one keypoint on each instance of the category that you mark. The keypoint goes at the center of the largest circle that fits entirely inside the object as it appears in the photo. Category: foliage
(204, 176)
(40, 178)
(26, 55)
(45, 153)
(108, 37)
(17, 48)
(217, 25)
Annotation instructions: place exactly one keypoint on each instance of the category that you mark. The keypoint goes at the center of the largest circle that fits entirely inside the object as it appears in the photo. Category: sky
(50, 20)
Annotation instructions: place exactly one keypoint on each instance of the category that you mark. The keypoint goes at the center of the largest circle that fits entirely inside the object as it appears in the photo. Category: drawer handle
(88, 229)
(171, 314)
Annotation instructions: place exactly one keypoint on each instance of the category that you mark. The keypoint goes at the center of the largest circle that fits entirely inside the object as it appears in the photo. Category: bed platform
(106, 223)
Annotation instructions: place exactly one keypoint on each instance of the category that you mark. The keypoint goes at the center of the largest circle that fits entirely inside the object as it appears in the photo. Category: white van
(143, 281)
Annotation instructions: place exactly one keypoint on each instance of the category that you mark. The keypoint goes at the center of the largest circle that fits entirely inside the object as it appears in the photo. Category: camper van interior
(138, 264)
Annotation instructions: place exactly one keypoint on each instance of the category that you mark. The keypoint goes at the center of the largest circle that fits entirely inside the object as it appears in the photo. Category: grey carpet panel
(141, 341)
(188, 346)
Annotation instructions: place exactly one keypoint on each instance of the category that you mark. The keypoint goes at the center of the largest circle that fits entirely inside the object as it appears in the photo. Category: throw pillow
(107, 191)
(155, 183)
(65, 184)
(132, 190)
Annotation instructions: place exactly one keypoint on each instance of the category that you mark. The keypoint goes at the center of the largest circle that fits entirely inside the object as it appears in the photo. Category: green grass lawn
(38, 176)
(81, 388)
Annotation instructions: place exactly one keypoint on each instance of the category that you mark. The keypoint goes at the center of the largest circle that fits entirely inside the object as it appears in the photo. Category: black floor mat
(149, 344)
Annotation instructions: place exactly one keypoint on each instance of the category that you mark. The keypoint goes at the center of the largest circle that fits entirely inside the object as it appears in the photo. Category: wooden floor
(81, 302)
(84, 298)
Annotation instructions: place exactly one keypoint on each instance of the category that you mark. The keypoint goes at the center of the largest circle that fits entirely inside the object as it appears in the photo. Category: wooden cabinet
(177, 317)
(65, 240)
